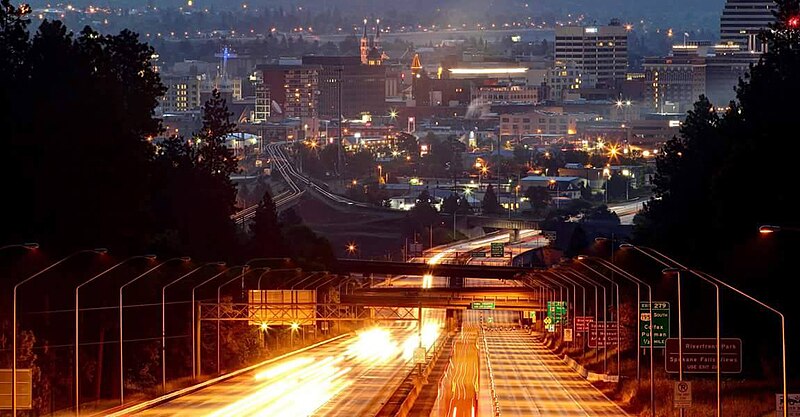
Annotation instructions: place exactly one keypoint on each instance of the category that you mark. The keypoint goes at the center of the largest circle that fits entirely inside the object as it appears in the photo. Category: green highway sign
(477, 254)
(498, 250)
(557, 311)
(659, 321)
(482, 305)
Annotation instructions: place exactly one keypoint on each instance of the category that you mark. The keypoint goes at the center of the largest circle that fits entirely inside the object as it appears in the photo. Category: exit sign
(482, 305)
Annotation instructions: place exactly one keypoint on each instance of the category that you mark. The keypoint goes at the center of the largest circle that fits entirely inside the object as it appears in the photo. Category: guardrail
(197, 387)
(411, 398)
(495, 403)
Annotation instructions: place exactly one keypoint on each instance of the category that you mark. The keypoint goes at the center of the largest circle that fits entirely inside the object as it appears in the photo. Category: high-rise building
(183, 93)
(293, 88)
(742, 20)
(600, 51)
(675, 79)
(363, 86)
(565, 80)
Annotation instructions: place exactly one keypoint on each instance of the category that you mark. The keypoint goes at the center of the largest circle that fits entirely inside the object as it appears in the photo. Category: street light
(244, 272)
(163, 321)
(29, 246)
(583, 276)
(121, 327)
(77, 324)
(637, 281)
(196, 368)
(605, 329)
(718, 281)
(672, 269)
(98, 251)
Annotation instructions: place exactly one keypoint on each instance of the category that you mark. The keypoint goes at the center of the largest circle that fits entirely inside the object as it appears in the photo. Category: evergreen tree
(489, 204)
(464, 207)
(215, 156)
(539, 198)
(450, 204)
(267, 240)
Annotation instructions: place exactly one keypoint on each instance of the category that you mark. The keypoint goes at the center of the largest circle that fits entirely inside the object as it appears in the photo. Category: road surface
(530, 381)
(348, 377)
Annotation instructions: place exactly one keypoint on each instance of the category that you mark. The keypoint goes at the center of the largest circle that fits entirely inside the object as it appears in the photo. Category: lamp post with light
(77, 375)
(121, 326)
(98, 251)
(163, 319)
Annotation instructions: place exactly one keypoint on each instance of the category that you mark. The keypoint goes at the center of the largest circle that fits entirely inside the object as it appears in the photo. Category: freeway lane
(533, 382)
(350, 376)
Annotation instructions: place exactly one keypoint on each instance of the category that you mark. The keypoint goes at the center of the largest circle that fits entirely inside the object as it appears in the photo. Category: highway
(627, 211)
(347, 377)
(530, 381)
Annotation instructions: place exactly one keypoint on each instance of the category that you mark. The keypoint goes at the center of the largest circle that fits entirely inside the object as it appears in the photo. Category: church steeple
(364, 44)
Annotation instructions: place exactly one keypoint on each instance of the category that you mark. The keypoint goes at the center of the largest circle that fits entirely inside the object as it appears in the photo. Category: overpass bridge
(516, 298)
(349, 266)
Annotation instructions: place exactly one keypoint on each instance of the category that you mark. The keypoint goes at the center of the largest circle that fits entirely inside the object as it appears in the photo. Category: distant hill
(693, 13)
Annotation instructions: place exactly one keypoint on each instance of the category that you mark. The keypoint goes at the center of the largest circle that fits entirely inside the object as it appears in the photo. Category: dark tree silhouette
(267, 240)
(464, 207)
(489, 204)
(539, 198)
(450, 204)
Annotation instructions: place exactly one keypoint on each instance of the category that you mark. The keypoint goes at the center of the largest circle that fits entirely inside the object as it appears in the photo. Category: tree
(214, 156)
(408, 144)
(77, 181)
(600, 213)
(489, 204)
(686, 168)
(450, 204)
(464, 207)
(267, 240)
(539, 198)
(423, 215)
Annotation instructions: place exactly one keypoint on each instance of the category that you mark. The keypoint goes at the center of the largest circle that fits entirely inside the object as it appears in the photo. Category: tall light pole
(77, 375)
(121, 327)
(605, 330)
(625, 274)
(28, 246)
(163, 320)
(594, 284)
(219, 302)
(760, 303)
(14, 321)
(196, 369)
(670, 269)
(766, 230)
(575, 272)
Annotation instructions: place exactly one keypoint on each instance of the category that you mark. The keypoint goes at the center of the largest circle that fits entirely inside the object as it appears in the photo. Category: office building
(677, 79)
(363, 86)
(292, 89)
(742, 20)
(600, 51)
(517, 126)
(183, 93)
(565, 80)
